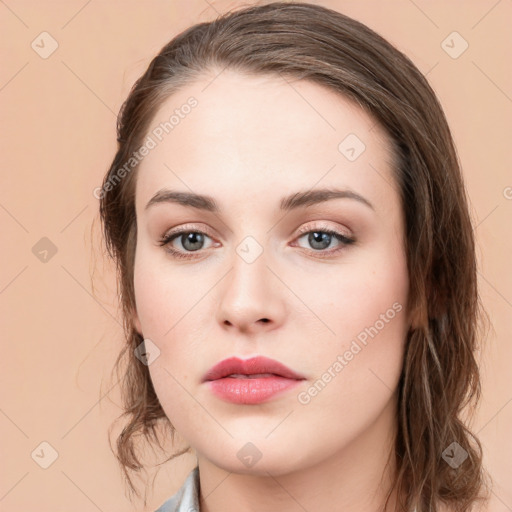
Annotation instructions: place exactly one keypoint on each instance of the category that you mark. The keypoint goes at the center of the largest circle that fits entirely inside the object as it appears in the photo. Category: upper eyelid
(301, 231)
(321, 227)
(186, 228)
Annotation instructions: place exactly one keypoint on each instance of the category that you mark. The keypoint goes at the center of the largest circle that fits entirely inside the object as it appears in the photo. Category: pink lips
(250, 381)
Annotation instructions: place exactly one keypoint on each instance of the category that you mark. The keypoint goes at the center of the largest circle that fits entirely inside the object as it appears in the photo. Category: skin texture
(250, 141)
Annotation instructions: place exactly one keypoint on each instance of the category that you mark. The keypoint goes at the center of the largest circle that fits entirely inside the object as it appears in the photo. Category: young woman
(297, 270)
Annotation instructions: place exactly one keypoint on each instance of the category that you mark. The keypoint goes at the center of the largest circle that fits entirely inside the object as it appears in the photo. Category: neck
(357, 478)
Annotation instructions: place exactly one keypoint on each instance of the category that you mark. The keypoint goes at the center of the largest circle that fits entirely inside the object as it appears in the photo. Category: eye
(321, 237)
(190, 240)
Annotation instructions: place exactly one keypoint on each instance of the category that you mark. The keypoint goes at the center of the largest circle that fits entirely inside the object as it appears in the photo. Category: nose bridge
(249, 296)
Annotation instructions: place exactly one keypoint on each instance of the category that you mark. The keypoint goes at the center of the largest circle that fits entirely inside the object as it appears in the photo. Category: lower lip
(250, 391)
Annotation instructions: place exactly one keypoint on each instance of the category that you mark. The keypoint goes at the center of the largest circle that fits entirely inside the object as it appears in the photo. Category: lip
(250, 381)
(252, 366)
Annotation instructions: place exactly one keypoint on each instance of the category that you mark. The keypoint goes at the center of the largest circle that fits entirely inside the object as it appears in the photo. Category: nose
(251, 299)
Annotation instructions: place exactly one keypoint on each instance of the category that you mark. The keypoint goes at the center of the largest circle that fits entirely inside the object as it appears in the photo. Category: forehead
(257, 135)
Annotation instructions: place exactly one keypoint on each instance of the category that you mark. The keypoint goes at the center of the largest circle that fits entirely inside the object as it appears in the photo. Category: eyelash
(345, 240)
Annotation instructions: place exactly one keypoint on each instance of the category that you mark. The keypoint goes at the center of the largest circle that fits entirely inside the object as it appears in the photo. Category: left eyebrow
(298, 199)
(309, 197)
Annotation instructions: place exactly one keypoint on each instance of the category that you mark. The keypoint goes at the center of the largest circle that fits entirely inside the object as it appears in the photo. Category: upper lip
(250, 366)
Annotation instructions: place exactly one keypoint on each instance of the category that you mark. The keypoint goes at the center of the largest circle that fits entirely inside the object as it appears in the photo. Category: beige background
(60, 336)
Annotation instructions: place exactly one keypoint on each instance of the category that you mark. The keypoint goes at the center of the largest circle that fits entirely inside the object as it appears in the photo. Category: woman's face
(264, 278)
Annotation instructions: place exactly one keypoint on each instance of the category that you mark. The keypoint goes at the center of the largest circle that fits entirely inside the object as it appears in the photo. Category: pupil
(318, 238)
(192, 238)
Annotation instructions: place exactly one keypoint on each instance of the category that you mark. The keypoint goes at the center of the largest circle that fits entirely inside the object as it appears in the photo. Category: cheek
(363, 304)
(163, 296)
(165, 303)
(357, 375)
(377, 327)
(175, 391)
(170, 306)
(356, 294)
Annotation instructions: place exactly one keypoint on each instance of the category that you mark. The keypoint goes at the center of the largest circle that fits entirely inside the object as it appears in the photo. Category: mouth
(252, 376)
(255, 367)
(251, 381)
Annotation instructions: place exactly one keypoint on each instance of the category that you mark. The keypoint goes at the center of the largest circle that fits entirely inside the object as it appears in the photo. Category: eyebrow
(297, 200)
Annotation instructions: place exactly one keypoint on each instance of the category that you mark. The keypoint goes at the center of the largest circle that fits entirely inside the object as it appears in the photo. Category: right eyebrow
(190, 199)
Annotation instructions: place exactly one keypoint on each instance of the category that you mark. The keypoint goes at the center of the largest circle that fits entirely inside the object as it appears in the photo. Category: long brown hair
(440, 376)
